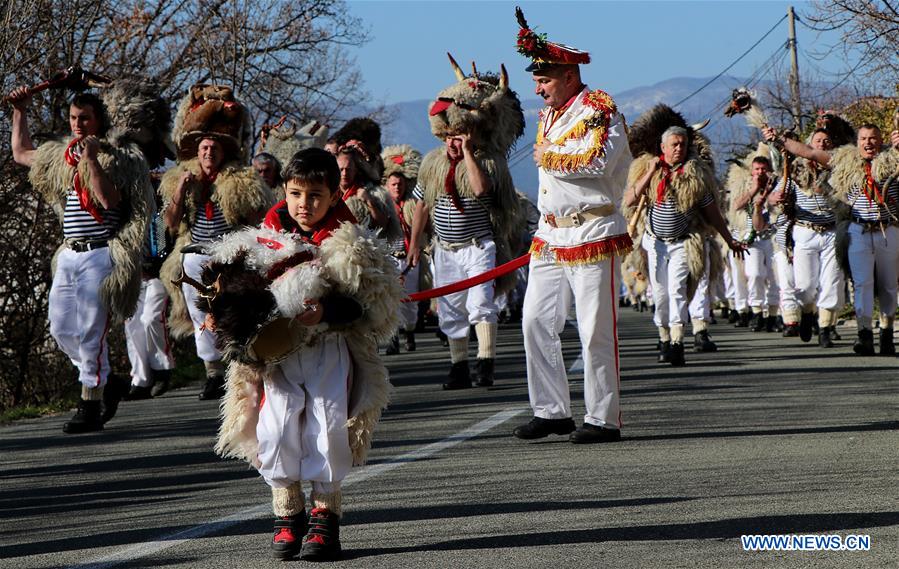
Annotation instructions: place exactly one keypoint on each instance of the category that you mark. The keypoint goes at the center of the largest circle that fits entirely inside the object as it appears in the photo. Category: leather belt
(577, 218)
(456, 245)
(85, 246)
(816, 227)
(871, 226)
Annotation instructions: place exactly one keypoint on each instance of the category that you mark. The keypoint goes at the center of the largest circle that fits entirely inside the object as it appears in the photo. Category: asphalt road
(767, 436)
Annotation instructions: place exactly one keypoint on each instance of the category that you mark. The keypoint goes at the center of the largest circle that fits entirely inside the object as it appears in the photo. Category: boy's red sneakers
(289, 532)
(322, 541)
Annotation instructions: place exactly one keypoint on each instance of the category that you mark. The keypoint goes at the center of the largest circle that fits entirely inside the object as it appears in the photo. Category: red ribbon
(206, 194)
(350, 192)
(870, 184)
(73, 157)
(449, 185)
(470, 282)
(666, 175)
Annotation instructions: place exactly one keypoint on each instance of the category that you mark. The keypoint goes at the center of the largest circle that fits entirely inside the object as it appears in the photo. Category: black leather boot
(864, 345)
(664, 352)
(824, 339)
(410, 341)
(86, 419)
(393, 348)
(677, 354)
(702, 342)
(887, 348)
(485, 372)
(459, 376)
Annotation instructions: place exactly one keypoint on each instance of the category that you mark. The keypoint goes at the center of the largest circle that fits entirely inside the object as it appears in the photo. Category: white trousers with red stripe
(78, 320)
(874, 256)
(761, 277)
(302, 429)
(204, 339)
(594, 289)
(146, 335)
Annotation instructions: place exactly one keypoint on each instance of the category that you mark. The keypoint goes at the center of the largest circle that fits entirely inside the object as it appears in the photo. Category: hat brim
(190, 143)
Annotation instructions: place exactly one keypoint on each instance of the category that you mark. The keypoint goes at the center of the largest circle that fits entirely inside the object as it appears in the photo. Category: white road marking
(148, 548)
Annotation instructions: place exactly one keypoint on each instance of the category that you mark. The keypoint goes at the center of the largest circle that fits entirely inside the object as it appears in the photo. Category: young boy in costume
(306, 414)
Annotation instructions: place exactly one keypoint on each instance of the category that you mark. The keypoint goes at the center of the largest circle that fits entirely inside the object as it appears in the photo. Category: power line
(726, 69)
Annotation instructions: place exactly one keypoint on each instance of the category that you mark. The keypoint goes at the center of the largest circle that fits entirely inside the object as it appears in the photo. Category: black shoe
(444, 341)
(592, 434)
(757, 322)
(410, 341)
(864, 345)
(806, 326)
(771, 324)
(644, 306)
(322, 541)
(288, 538)
(664, 352)
(834, 335)
(815, 329)
(485, 372)
(791, 330)
(115, 390)
(459, 377)
(86, 419)
(824, 339)
(161, 379)
(887, 348)
(393, 348)
(538, 428)
(138, 392)
(725, 313)
(733, 317)
(702, 342)
(742, 320)
(214, 388)
(677, 354)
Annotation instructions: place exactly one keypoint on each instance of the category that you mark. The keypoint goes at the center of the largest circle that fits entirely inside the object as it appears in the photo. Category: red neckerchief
(666, 175)
(871, 185)
(206, 193)
(407, 231)
(449, 185)
(350, 192)
(554, 114)
(278, 218)
(73, 157)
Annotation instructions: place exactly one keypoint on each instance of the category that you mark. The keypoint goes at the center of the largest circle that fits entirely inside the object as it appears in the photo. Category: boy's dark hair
(762, 160)
(313, 165)
(82, 100)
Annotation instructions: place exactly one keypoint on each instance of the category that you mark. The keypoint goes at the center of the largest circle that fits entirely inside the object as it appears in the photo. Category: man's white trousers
(146, 335)
(462, 309)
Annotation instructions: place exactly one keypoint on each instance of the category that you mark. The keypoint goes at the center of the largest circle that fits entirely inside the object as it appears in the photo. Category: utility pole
(794, 73)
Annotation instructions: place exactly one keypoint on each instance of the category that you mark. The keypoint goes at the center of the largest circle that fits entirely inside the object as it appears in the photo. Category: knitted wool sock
(91, 393)
(214, 368)
(699, 325)
(458, 349)
(677, 333)
(332, 501)
(826, 318)
(664, 334)
(288, 501)
(486, 333)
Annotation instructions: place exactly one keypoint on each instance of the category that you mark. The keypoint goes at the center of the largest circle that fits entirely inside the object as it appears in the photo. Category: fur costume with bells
(210, 111)
(686, 187)
(280, 270)
(484, 107)
(139, 127)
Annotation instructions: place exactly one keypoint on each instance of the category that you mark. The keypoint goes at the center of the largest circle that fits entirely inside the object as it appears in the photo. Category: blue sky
(632, 43)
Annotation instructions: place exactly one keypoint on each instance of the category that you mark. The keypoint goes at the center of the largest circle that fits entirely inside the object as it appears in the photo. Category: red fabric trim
(439, 106)
(557, 53)
(615, 335)
(449, 185)
(100, 351)
(339, 213)
(167, 349)
(666, 175)
(470, 282)
(206, 194)
(871, 184)
(587, 252)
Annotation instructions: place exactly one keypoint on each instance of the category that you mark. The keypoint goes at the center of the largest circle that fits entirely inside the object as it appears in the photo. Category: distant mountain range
(410, 124)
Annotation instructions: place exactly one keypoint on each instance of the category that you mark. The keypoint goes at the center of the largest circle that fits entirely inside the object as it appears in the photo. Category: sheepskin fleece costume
(350, 262)
(242, 196)
(697, 178)
(126, 168)
(848, 171)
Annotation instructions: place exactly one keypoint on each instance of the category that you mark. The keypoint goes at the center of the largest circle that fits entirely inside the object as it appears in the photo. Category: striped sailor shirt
(454, 226)
(666, 222)
(204, 230)
(869, 210)
(80, 225)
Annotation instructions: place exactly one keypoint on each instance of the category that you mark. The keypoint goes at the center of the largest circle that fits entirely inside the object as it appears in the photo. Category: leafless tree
(283, 57)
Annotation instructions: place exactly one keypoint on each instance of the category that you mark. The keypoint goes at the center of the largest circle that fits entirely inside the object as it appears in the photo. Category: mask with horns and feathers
(480, 105)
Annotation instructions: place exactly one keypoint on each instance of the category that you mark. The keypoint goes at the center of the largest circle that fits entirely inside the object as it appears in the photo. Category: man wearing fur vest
(209, 193)
(865, 177)
(401, 163)
(466, 191)
(582, 159)
(681, 212)
(98, 181)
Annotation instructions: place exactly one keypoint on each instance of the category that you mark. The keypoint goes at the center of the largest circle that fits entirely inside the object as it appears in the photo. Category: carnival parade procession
(253, 317)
